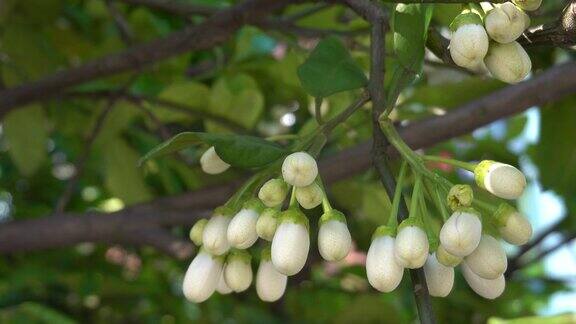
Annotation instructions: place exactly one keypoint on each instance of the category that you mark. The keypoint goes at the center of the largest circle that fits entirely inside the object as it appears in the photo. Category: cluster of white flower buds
(224, 263)
(468, 238)
(506, 59)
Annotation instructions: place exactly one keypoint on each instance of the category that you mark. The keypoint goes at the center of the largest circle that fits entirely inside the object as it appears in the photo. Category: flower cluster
(224, 263)
(489, 38)
(468, 237)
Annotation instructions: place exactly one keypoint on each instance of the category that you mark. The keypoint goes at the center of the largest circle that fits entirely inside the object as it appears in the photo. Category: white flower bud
(222, 287)
(267, 223)
(461, 233)
(238, 271)
(291, 243)
(446, 258)
(334, 239)
(211, 163)
(528, 5)
(489, 259)
(508, 62)
(270, 284)
(439, 278)
(202, 277)
(513, 226)
(469, 45)
(505, 23)
(299, 169)
(487, 288)
(242, 229)
(383, 273)
(411, 246)
(310, 196)
(273, 192)
(501, 180)
(197, 231)
(214, 237)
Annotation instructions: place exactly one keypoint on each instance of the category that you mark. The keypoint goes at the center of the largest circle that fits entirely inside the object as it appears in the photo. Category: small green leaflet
(330, 69)
(237, 150)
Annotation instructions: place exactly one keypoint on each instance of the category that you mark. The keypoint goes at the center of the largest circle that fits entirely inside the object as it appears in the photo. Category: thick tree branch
(69, 229)
(209, 33)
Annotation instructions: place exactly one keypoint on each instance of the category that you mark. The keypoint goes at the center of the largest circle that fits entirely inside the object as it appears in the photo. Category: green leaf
(25, 132)
(39, 313)
(330, 69)
(187, 93)
(122, 177)
(555, 154)
(237, 150)
(410, 26)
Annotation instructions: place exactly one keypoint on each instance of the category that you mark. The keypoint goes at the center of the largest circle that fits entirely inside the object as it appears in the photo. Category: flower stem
(392, 219)
(293, 201)
(487, 207)
(456, 163)
(415, 199)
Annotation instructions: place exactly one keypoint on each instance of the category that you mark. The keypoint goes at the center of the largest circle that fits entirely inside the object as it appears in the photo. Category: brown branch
(213, 31)
(561, 33)
(71, 228)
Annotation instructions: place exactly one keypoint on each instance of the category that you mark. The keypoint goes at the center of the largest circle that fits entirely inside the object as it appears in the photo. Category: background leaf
(330, 69)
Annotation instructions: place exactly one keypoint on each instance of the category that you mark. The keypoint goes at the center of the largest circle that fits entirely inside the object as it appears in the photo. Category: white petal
(270, 284)
(222, 287)
(383, 273)
(211, 163)
(489, 259)
(517, 229)
(290, 247)
(214, 237)
(334, 240)
(411, 247)
(299, 169)
(461, 233)
(439, 278)
(241, 232)
(201, 277)
(486, 288)
(238, 275)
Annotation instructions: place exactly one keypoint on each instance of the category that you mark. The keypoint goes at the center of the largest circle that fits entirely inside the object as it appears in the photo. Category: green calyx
(467, 17)
(270, 212)
(412, 221)
(460, 196)
(500, 216)
(254, 204)
(481, 171)
(224, 211)
(383, 230)
(469, 210)
(238, 255)
(295, 216)
(266, 254)
(330, 215)
(433, 242)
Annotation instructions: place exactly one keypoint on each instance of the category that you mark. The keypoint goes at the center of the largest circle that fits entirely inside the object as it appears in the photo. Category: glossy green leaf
(237, 150)
(330, 69)
(25, 132)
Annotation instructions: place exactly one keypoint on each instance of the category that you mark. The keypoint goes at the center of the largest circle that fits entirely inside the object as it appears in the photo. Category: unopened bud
(501, 180)
(469, 42)
(242, 229)
(270, 284)
(382, 270)
(238, 270)
(267, 223)
(310, 196)
(446, 258)
(214, 237)
(508, 62)
(334, 239)
(202, 277)
(512, 225)
(505, 23)
(273, 192)
(291, 242)
(197, 231)
(487, 288)
(299, 169)
(460, 196)
(489, 259)
(461, 233)
(528, 5)
(211, 163)
(439, 278)
(411, 245)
